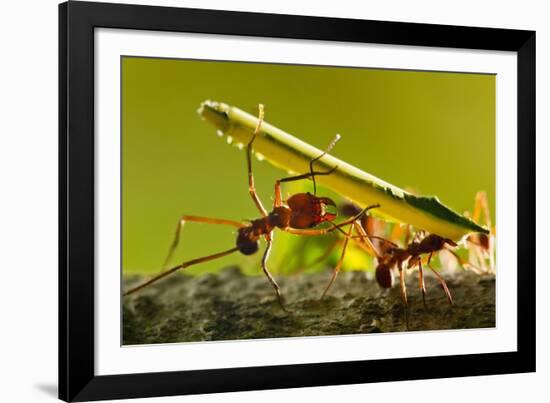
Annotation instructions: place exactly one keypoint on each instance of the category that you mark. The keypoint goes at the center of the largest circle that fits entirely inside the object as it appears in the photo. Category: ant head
(484, 241)
(308, 210)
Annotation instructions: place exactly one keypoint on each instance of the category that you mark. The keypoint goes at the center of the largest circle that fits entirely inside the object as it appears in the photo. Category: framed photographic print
(254, 201)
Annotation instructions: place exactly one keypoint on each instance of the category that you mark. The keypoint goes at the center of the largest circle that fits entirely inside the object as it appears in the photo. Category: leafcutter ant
(390, 255)
(298, 215)
(395, 256)
(482, 246)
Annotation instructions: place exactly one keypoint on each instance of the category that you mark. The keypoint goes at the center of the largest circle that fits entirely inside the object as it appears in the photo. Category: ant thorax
(247, 238)
(429, 244)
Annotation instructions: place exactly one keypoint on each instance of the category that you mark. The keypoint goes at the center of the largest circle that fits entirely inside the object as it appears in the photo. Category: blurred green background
(433, 132)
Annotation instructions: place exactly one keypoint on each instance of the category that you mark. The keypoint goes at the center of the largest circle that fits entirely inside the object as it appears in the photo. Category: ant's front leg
(251, 186)
(310, 175)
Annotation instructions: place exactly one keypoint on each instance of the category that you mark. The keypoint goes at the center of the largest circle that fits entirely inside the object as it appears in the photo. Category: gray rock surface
(231, 306)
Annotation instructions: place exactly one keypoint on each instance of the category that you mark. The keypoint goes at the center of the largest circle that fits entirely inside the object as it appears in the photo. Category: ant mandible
(298, 215)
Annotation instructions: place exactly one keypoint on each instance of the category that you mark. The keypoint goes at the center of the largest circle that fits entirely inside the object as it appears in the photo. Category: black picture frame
(77, 379)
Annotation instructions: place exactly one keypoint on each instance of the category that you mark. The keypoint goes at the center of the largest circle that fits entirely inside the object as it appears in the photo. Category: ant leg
(482, 204)
(269, 240)
(477, 252)
(441, 281)
(251, 186)
(397, 232)
(311, 174)
(404, 293)
(181, 266)
(340, 261)
(278, 196)
(465, 265)
(278, 191)
(328, 251)
(403, 285)
(191, 218)
(421, 283)
(366, 240)
(309, 232)
(408, 234)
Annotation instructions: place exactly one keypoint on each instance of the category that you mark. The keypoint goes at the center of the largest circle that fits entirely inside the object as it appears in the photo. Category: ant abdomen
(248, 248)
(384, 276)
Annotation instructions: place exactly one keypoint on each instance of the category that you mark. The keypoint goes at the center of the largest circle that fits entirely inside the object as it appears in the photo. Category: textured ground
(229, 306)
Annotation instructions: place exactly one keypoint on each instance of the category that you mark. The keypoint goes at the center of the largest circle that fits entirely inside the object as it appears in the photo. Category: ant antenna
(330, 146)
(260, 118)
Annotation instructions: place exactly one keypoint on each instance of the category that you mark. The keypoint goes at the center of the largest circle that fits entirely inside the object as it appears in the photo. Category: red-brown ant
(298, 215)
(482, 246)
(389, 255)
(395, 256)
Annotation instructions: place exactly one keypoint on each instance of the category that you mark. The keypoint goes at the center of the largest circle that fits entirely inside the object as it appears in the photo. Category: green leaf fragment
(292, 154)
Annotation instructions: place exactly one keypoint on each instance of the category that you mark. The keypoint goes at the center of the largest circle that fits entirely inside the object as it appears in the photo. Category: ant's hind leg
(180, 267)
(251, 186)
(482, 205)
(421, 283)
(403, 286)
(441, 281)
(340, 261)
(191, 218)
(464, 264)
(404, 294)
(269, 240)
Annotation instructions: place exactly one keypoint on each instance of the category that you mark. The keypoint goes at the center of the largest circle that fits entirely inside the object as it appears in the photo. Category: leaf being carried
(292, 154)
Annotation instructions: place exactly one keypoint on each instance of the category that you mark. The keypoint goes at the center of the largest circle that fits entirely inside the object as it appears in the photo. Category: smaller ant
(298, 215)
(394, 256)
(389, 255)
(482, 245)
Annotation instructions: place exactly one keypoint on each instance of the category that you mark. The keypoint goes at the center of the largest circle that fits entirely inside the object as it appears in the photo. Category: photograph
(269, 200)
